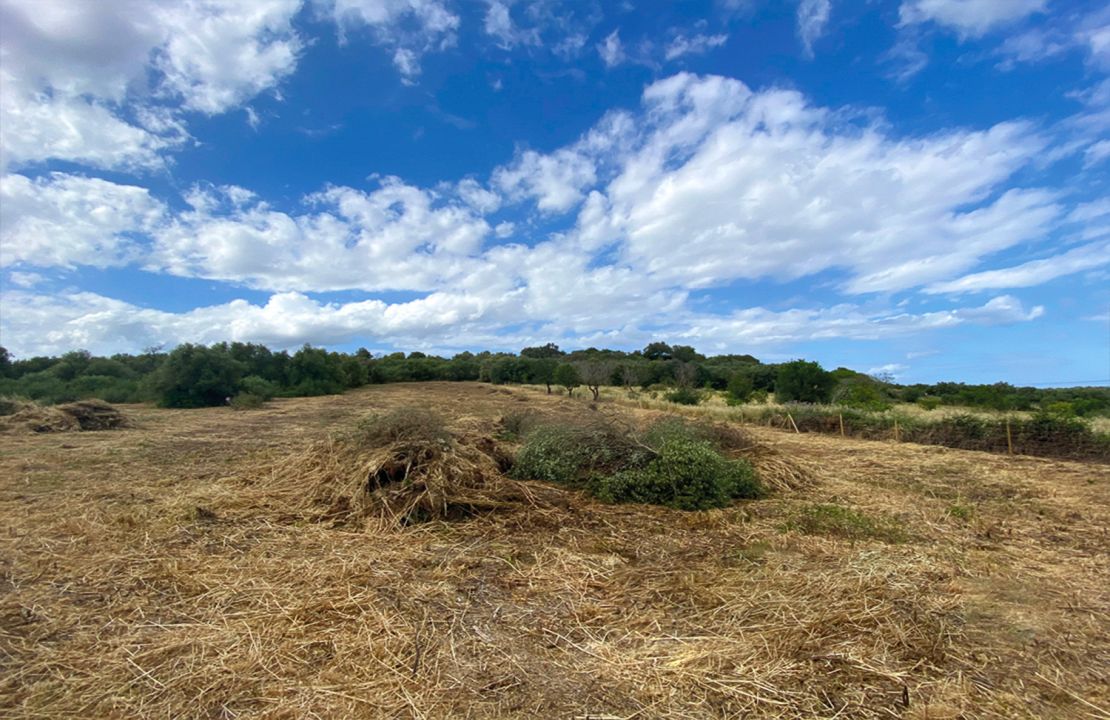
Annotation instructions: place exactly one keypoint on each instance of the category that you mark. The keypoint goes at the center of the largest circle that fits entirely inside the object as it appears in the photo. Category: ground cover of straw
(145, 574)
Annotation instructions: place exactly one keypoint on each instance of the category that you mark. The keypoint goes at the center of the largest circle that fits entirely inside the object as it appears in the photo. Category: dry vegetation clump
(402, 467)
(28, 416)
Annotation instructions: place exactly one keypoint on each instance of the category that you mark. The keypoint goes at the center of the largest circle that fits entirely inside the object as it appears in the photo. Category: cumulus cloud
(53, 324)
(765, 185)
(79, 79)
(396, 237)
(968, 18)
(69, 220)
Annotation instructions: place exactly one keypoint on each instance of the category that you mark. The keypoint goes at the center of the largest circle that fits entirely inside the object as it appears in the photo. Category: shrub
(928, 402)
(684, 396)
(802, 381)
(247, 401)
(685, 475)
(862, 393)
(740, 388)
(565, 454)
(259, 386)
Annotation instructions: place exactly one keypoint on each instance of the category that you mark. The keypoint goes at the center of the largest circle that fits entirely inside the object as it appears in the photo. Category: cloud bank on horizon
(919, 184)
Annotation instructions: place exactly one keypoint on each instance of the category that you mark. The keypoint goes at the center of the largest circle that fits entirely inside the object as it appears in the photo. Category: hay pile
(28, 416)
(403, 467)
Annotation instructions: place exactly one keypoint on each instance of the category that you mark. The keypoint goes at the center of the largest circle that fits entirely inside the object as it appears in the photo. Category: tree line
(198, 376)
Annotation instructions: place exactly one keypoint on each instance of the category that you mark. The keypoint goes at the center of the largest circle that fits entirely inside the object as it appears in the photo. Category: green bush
(685, 475)
(740, 388)
(247, 401)
(571, 454)
(684, 396)
(801, 381)
(261, 387)
(928, 402)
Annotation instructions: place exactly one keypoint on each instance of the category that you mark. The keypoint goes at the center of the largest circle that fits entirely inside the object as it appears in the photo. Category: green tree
(740, 388)
(196, 376)
(802, 381)
(567, 376)
(550, 350)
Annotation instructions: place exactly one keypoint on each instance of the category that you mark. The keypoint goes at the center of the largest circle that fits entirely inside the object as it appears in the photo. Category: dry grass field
(149, 572)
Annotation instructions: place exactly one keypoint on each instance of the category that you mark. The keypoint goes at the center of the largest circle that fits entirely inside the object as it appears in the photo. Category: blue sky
(917, 187)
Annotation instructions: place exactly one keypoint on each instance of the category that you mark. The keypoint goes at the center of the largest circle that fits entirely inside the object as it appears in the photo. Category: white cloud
(611, 50)
(693, 45)
(410, 28)
(1034, 272)
(499, 24)
(764, 185)
(36, 324)
(969, 18)
(24, 279)
(894, 370)
(556, 180)
(1096, 153)
(35, 127)
(394, 237)
(813, 16)
(68, 220)
(75, 77)
(481, 199)
(219, 55)
(504, 229)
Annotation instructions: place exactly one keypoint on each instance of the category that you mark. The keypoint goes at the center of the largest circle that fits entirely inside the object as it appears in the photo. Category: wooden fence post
(841, 424)
(897, 435)
(791, 418)
(1009, 436)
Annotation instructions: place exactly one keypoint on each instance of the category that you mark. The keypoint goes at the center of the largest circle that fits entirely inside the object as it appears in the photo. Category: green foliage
(247, 401)
(196, 376)
(259, 387)
(674, 463)
(861, 392)
(684, 396)
(740, 388)
(802, 381)
(928, 402)
(840, 521)
(567, 376)
(571, 454)
(685, 475)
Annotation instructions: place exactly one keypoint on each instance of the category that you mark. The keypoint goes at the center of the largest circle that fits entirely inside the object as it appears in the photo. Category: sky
(912, 187)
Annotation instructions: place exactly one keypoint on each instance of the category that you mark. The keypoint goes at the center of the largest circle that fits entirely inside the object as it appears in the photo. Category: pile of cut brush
(26, 415)
(402, 467)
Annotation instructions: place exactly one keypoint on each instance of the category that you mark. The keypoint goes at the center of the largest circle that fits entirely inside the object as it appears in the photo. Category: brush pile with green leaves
(673, 463)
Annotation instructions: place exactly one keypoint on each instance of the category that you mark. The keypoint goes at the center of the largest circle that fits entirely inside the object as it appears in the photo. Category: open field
(147, 572)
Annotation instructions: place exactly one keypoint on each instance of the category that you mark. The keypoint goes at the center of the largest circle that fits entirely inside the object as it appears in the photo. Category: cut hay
(402, 468)
(29, 416)
(146, 581)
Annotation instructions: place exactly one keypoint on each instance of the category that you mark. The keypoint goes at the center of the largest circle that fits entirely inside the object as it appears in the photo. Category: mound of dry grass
(403, 467)
(28, 416)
